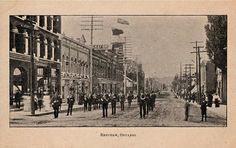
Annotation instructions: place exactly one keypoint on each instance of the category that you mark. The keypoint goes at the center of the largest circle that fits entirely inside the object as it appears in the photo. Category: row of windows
(105, 70)
(50, 22)
(21, 44)
(74, 66)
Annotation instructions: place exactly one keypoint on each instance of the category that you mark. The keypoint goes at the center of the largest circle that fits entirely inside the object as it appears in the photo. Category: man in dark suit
(85, 100)
(70, 102)
(105, 101)
(204, 109)
(18, 96)
(186, 106)
(153, 99)
(55, 104)
(113, 103)
(142, 105)
(130, 98)
(148, 102)
(122, 101)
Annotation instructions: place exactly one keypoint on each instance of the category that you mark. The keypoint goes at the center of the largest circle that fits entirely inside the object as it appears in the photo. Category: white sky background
(162, 42)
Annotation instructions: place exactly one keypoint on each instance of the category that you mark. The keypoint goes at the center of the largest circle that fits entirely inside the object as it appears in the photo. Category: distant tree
(216, 43)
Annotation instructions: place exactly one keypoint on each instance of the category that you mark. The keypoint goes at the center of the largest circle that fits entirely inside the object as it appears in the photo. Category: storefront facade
(42, 38)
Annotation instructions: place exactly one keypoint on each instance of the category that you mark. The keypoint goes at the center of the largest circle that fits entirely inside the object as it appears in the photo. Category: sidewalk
(64, 108)
(219, 111)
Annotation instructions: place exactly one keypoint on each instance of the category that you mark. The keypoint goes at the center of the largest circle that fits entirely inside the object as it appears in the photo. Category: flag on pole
(122, 21)
(116, 31)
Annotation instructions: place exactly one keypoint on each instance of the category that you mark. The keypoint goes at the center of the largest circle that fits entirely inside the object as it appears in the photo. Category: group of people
(146, 102)
(102, 100)
(93, 101)
(56, 102)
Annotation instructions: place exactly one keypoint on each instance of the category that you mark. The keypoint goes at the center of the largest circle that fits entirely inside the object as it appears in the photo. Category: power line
(92, 26)
(198, 68)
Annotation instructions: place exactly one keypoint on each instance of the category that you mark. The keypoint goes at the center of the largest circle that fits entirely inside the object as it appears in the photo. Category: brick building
(107, 72)
(74, 67)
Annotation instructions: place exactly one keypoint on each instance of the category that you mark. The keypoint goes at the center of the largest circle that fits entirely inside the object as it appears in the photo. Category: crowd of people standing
(101, 101)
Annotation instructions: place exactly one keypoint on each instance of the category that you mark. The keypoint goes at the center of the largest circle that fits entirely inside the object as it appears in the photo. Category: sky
(160, 42)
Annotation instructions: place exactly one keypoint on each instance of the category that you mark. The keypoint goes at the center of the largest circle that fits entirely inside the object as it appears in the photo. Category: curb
(62, 111)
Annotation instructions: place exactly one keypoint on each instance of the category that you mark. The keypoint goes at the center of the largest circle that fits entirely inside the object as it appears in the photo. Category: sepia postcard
(97, 74)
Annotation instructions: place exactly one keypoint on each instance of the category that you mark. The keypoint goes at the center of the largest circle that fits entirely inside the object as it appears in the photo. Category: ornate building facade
(36, 36)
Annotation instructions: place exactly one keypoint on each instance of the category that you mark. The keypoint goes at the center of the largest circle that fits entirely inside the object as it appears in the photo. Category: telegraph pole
(180, 78)
(198, 66)
(125, 67)
(185, 81)
(189, 78)
(91, 57)
(91, 28)
(137, 74)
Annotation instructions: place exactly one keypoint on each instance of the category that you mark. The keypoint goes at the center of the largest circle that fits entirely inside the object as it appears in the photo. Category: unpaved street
(169, 111)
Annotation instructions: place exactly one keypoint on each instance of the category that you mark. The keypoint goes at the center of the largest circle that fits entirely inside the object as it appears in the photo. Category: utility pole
(189, 78)
(91, 57)
(125, 67)
(198, 66)
(91, 28)
(180, 78)
(32, 69)
(137, 74)
(185, 81)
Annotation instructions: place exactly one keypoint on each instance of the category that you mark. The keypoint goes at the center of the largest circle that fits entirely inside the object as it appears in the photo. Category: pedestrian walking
(90, 98)
(147, 102)
(99, 97)
(122, 101)
(94, 101)
(55, 102)
(204, 109)
(105, 101)
(153, 99)
(113, 103)
(18, 97)
(186, 107)
(70, 102)
(85, 98)
(142, 106)
(40, 99)
(60, 101)
(130, 98)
